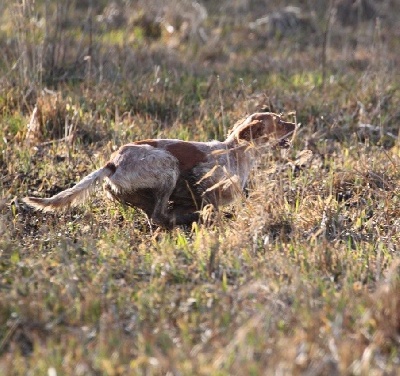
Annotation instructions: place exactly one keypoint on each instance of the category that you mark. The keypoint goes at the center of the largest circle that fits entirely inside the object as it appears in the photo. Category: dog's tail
(72, 196)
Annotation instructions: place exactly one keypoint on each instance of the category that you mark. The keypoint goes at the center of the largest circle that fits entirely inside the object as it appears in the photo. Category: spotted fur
(171, 180)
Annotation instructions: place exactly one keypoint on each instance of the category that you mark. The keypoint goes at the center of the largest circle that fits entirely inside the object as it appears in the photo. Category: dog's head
(262, 127)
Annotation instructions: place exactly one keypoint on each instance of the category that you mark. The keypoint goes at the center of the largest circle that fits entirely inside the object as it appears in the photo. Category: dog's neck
(244, 156)
(244, 145)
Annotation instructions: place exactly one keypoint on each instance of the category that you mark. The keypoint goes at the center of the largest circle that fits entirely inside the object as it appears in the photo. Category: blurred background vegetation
(165, 58)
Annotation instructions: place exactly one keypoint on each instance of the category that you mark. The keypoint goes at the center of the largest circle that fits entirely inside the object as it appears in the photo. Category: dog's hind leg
(160, 214)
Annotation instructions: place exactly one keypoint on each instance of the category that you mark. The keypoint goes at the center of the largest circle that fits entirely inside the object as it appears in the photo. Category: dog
(172, 180)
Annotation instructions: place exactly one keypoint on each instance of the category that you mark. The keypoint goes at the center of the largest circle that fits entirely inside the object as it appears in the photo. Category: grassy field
(303, 280)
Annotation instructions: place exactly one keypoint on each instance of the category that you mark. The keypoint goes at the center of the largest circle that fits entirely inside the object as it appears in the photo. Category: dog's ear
(252, 131)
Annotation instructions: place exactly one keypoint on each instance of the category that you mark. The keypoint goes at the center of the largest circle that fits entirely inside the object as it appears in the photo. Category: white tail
(72, 196)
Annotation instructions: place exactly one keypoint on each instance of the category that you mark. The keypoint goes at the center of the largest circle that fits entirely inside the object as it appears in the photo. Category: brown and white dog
(171, 180)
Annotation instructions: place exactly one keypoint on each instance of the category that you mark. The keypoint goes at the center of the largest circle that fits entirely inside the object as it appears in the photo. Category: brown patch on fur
(187, 154)
(153, 143)
(254, 130)
(286, 127)
(111, 166)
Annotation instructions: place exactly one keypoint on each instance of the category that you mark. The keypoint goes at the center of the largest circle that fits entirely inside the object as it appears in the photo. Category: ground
(304, 279)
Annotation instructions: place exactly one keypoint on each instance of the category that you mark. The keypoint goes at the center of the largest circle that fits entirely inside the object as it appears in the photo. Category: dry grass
(303, 280)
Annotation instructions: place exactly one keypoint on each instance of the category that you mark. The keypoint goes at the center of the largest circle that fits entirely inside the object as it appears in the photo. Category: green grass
(304, 279)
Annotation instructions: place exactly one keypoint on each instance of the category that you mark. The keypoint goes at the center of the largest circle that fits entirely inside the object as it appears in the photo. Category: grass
(304, 279)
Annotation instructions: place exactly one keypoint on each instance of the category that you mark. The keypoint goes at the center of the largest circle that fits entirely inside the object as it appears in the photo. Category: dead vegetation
(303, 279)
